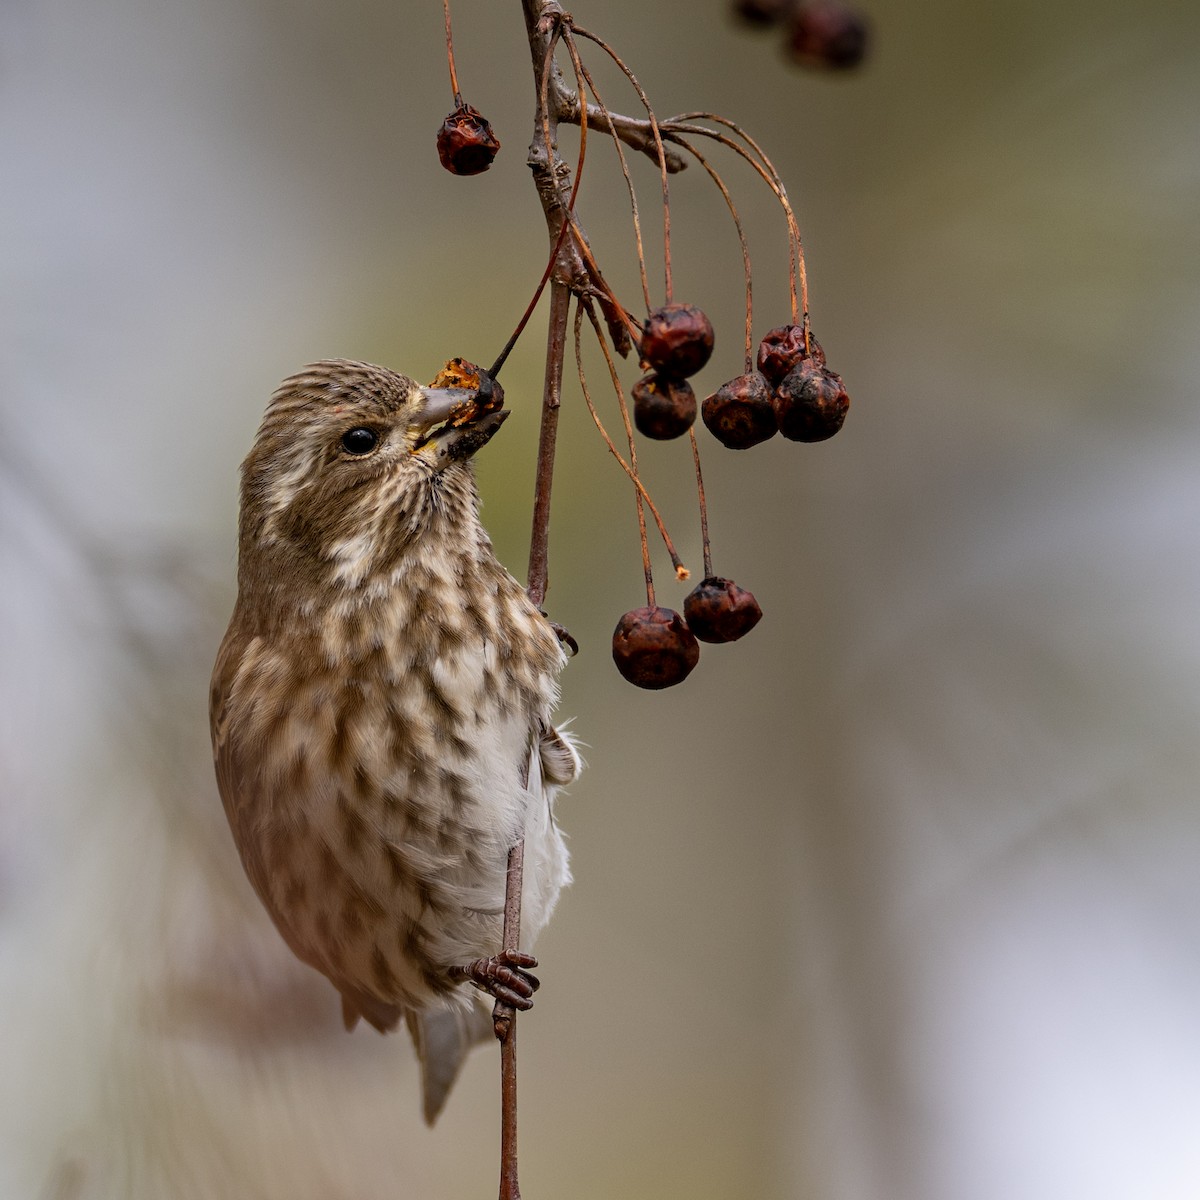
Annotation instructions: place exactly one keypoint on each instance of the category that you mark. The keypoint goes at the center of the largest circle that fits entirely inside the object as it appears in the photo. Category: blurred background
(895, 900)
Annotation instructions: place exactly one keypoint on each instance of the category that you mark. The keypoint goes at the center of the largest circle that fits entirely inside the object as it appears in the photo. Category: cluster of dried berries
(677, 340)
(787, 388)
(656, 647)
(793, 392)
(818, 33)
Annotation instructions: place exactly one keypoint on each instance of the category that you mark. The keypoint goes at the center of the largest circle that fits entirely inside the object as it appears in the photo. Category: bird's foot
(504, 976)
(564, 636)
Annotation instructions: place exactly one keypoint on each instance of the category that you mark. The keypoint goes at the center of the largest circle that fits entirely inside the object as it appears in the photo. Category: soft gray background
(896, 900)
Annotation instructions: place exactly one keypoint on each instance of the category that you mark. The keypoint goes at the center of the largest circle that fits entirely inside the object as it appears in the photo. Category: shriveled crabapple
(653, 648)
(783, 348)
(465, 143)
(826, 34)
(677, 340)
(739, 413)
(810, 403)
(663, 408)
(717, 610)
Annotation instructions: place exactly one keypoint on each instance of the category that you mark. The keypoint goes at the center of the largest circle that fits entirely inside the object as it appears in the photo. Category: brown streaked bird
(381, 708)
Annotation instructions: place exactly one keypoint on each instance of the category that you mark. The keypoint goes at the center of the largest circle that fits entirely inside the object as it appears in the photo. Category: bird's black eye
(359, 440)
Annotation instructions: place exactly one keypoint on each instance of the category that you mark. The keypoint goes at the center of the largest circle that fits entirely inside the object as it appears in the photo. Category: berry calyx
(663, 408)
(739, 413)
(677, 340)
(653, 648)
(465, 143)
(783, 349)
(810, 403)
(827, 34)
(717, 610)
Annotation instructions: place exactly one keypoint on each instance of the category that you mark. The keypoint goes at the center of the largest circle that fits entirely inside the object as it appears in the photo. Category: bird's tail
(443, 1037)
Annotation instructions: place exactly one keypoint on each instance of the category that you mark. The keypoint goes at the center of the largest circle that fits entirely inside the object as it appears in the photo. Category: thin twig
(562, 233)
(636, 133)
(458, 100)
(539, 552)
(545, 164)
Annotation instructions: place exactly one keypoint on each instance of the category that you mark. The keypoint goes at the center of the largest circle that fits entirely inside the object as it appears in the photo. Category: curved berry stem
(658, 145)
(682, 124)
(708, 567)
(630, 467)
(737, 221)
(582, 72)
(458, 100)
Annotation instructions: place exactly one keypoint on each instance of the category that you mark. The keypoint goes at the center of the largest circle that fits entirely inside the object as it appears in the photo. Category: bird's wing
(237, 783)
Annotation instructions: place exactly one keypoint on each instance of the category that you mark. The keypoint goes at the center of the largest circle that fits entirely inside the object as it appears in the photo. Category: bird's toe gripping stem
(504, 976)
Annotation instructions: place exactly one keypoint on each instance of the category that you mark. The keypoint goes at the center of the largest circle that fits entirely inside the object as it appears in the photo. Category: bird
(381, 708)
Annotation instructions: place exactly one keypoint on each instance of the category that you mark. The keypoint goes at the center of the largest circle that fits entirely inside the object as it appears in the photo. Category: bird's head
(353, 462)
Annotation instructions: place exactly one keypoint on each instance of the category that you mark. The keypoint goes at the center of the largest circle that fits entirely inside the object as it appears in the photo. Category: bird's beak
(454, 422)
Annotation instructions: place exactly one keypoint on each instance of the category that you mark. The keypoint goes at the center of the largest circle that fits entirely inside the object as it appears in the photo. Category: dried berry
(459, 373)
(663, 408)
(717, 610)
(739, 413)
(827, 34)
(677, 340)
(763, 12)
(653, 648)
(810, 403)
(783, 349)
(465, 143)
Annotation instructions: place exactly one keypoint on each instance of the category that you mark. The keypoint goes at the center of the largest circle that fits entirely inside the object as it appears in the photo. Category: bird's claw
(564, 636)
(504, 976)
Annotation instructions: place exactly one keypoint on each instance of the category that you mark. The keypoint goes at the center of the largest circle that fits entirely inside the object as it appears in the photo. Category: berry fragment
(465, 143)
(677, 340)
(717, 610)
(827, 34)
(739, 413)
(653, 648)
(459, 373)
(810, 403)
(663, 408)
(783, 349)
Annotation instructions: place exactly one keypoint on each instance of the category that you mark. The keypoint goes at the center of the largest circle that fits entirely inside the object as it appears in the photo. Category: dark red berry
(653, 648)
(677, 340)
(783, 349)
(763, 12)
(663, 408)
(827, 34)
(739, 413)
(810, 403)
(465, 143)
(717, 610)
